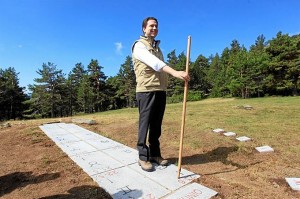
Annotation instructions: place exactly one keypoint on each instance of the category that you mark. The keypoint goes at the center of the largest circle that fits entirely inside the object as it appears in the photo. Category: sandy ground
(32, 166)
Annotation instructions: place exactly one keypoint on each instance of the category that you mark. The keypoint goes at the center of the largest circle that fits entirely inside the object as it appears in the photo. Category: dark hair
(145, 21)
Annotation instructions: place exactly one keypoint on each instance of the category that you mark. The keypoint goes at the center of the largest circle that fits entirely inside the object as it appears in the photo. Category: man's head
(150, 27)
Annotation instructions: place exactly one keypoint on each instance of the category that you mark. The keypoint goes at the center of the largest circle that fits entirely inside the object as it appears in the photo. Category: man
(151, 76)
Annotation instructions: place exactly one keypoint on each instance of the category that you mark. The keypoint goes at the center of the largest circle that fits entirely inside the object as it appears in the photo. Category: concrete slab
(76, 148)
(127, 183)
(96, 162)
(83, 121)
(114, 166)
(243, 139)
(264, 149)
(230, 134)
(52, 130)
(167, 176)
(294, 183)
(194, 191)
(72, 128)
(103, 143)
(65, 138)
(218, 130)
(123, 154)
(87, 135)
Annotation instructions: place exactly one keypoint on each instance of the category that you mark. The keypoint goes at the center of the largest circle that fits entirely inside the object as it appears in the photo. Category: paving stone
(167, 176)
(74, 129)
(248, 107)
(125, 183)
(243, 139)
(294, 183)
(193, 191)
(114, 166)
(103, 143)
(218, 130)
(96, 162)
(53, 130)
(65, 138)
(229, 134)
(86, 135)
(264, 149)
(83, 121)
(76, 148)
(123, 154)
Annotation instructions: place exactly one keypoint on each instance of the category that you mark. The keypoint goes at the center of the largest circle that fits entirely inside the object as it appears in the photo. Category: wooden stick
(184, 105)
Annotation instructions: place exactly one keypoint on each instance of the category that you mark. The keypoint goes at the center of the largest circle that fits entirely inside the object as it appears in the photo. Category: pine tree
(48, 93)
(74, 80)
(12, 95)
(126, 82)
(97, 81)
(284, 70)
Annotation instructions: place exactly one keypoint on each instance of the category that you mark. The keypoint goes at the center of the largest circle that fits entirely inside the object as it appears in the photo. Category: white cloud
(119, 48)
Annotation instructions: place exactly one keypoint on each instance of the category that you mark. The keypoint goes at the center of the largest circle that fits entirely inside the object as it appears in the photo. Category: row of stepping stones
(294, 183)
(261, 149)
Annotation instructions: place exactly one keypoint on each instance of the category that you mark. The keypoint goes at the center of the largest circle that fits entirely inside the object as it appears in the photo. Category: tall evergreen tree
(223, 75)
(172, 61)
(97, 81)
(12, 95)
(214, 76)
(198, 74)
(74, 80)
(48, 93)
(238, 71)
(86, 95)
(283, 71)
(116, 100)
(126, 82)
(175, 86)
(258, 60)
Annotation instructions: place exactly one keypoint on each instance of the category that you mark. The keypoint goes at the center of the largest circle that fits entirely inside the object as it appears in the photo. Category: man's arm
(178, 74)
(141, 53)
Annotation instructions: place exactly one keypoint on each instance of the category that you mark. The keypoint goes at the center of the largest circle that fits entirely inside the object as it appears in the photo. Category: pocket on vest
(151, 78)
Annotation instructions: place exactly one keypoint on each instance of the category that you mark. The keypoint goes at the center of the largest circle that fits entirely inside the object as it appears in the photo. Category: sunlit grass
(273, 121)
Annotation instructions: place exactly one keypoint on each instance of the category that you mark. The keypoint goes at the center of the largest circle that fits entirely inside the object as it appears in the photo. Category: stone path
(114, 166)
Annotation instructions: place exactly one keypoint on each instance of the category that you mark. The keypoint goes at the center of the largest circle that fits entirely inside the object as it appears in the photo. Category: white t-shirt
(141, 53)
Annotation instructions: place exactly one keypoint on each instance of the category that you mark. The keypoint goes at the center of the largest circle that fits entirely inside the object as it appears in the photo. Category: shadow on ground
(219, 154)
(12, 181)
(92, 192)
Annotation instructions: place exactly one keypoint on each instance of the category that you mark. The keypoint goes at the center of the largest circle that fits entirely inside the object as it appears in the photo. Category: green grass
(36, 136)
(273, 121)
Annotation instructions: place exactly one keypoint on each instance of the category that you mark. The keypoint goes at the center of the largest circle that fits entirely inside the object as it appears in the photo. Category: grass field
(240, 170)
(273, 121)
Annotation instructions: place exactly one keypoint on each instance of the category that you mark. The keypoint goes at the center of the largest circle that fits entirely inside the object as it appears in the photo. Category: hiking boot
(146, 165)
(159, 161)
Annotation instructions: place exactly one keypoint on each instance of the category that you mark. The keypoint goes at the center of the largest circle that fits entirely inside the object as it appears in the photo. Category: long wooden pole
(184, 105)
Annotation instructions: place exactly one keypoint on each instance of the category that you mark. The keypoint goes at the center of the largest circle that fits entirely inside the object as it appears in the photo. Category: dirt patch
(32, 166)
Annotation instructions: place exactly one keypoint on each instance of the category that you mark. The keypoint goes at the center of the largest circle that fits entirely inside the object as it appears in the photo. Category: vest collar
(154, 43)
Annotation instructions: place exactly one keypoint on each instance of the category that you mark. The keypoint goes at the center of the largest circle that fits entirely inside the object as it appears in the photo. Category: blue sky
(66, 32)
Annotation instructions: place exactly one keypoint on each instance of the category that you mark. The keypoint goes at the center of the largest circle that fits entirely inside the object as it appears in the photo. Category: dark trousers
(151, 111)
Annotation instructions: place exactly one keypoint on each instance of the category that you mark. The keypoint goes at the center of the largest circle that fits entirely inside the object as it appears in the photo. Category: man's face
(151, 29)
